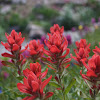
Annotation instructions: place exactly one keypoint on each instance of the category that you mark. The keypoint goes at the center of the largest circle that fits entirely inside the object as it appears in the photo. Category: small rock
(19, 1)
(74, 35)
(35, 31)
(5, 9)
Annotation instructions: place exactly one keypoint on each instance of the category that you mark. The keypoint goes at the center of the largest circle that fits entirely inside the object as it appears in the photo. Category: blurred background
(35, 17)
(80, 18)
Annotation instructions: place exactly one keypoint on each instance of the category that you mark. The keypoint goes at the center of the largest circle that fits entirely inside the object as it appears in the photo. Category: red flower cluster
(33, 84)
(13, 45)
(82, 52)
(57, 45)
(96, 50)
(82, 44)
(35, 49)
(57, 29)
(93, 72)
(93, 69)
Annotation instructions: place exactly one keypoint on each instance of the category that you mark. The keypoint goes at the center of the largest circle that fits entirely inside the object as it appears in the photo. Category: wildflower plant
(35, 50)
(13, 45)
(33, 84)
(65, 81)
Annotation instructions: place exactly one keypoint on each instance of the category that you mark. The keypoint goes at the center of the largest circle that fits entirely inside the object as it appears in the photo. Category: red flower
(57, 45)
(93, 69)
(82, 52)
(82, 44)
(56, 29)
(96, 50)
(33, 84)
(36, 69)
(13, 45)
(92, 74)
(14, 41)
(35, 49)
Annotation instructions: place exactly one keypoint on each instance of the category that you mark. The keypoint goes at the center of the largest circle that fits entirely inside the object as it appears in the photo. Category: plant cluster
(33, 75)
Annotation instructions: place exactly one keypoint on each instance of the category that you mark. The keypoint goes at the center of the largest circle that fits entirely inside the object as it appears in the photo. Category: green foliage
(94, 39)
(16, 20)
(2, 34)
(86, 14)
(55, 84)
(46, 26)
(3, 22)
(69, 86)
(67, 18)
(8, 21)
(67, 22)
(47, 13)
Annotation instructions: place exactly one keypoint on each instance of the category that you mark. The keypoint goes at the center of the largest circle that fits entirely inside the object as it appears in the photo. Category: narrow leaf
(54, 84)
(73, 81)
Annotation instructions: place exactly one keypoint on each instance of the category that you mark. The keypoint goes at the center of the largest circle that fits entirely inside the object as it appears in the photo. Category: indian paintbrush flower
(57, 47)
(82, 52)
(93, 74)
(96, 50)
(35, 50)
(13, 45)
(33, 83)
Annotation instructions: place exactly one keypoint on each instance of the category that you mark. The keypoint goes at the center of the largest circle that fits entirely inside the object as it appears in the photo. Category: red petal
(24, 49)
(91, 64)
(20, 34)
(35, 86)
(77, 44)
(22, 88)
(54, 49)
(7, 55)
(26, 83)
(6, 45)
(86, 66)
(31, 78)
(67, 52)
(6, 35)
(46, 52)
(21, 41)
(49, 94)
(11, 40)
(91, 73)
(15, 47)
(32, 52)
(26, 72)
(51, 67)
(13, 33)
(67, 66)
(75, 58)
(83, 76)
(44, 83)
(66, 60)
(33, 67)
(44, 73)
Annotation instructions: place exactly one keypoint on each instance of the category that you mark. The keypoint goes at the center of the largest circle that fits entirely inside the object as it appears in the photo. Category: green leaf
(48, 62)
(9, 64)
(54, 84)
(20, 78)
(73, 81)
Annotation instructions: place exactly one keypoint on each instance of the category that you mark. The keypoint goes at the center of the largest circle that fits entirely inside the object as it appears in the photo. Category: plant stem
(62, 87)
(94, 95)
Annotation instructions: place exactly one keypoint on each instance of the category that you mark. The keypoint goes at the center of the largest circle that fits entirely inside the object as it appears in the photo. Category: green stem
(62, 88)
